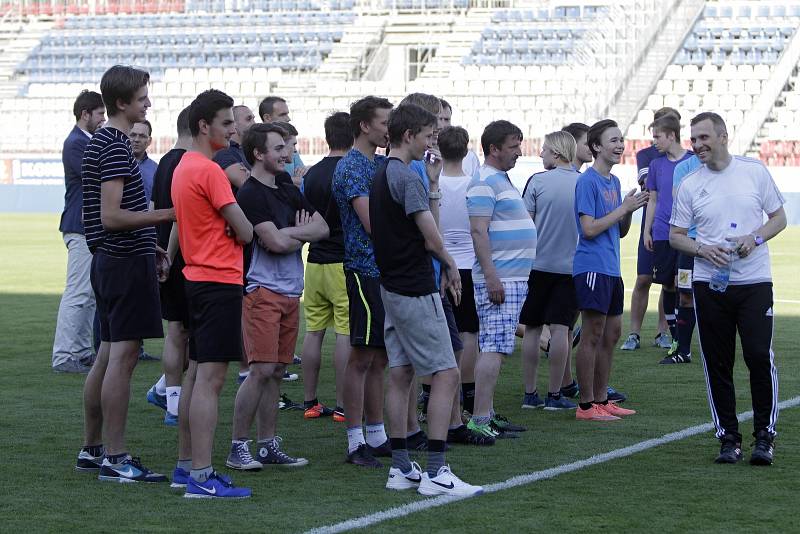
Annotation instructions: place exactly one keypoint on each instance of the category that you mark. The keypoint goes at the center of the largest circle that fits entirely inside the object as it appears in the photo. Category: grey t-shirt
(550, 199)
(406, 187)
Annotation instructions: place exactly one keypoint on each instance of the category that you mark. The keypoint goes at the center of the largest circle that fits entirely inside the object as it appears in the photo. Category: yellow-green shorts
(325, 298)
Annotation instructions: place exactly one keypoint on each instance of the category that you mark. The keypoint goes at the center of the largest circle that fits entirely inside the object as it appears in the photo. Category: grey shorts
(415, 332)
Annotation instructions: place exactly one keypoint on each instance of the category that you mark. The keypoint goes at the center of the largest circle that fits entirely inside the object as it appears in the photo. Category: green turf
(672, 488)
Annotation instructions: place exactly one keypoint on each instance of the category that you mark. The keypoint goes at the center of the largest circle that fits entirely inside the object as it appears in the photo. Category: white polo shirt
(741, 193)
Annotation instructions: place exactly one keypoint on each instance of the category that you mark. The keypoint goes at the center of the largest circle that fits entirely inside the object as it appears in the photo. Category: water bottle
(722, 275)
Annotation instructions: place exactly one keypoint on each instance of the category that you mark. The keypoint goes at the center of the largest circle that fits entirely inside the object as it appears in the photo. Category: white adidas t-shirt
(454, 219)
(741, 193)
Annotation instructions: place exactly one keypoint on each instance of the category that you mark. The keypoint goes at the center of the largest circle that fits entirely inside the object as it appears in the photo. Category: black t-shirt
(317, 189)
(162, 187)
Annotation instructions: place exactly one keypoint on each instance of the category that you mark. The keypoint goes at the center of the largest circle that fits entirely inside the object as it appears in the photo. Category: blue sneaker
(129, 470)
(155, 399)
(616, 396)
(532, 401)
(216, 487)
(560, 403)
(571, 390)
(180, 478)
(170, 420)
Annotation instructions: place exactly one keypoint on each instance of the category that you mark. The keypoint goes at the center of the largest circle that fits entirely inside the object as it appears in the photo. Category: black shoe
(384, 449)
(763, 449)
(465, 436)
(285, 403)
(570, 391)
(362, 457)
(146, 357)
(500, 422)
(417, 442)
(730, 452)
(676, 358)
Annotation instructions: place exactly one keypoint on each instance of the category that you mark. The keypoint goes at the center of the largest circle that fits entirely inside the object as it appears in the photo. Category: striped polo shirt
(108, 156)
(512, 234)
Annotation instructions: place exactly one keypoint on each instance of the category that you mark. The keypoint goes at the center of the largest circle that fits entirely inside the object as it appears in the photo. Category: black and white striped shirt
(108, 156)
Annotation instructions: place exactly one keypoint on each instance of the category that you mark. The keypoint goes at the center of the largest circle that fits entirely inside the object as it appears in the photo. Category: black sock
(95, 450)
(601, 403)
(585, 405)
(686, 320)
(556, 395)
(469, 396)
(310, 404)
(669, 312)
(535, 392)
(116, 458)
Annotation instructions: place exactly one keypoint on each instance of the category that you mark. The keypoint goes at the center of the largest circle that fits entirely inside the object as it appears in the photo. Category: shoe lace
(274, 448)
(136, 462)
(243, 451)
(221, 478)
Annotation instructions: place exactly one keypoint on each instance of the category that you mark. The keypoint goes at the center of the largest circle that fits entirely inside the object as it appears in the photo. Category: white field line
(521, 480)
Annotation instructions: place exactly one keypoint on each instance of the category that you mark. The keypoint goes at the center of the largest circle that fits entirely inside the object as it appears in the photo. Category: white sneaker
(402, 481)
(446, 483)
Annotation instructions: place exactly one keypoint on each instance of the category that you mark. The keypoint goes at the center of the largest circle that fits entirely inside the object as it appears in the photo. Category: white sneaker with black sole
(446, 483)
(402, 481)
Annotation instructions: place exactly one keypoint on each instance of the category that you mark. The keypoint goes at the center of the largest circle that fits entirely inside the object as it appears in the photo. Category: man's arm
(236, 219)
(434, 171)
(434, 244)
(479, 229)
(650, 215)
(115, 219)
(361, 207)
(776, 222)
(315, 230)
(592, 227)
(276, 240)
(237, 174)
(173, 245)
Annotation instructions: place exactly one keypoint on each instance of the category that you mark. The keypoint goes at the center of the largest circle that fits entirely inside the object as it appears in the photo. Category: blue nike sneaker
(170, 420)
(616, 396)
(129, 470)
(216, 487)
(155, 399)
(180, 478)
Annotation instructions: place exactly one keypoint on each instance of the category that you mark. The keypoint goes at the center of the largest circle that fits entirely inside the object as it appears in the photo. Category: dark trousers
(748, 309)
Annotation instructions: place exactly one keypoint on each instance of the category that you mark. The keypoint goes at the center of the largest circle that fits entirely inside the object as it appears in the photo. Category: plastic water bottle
(722, 275)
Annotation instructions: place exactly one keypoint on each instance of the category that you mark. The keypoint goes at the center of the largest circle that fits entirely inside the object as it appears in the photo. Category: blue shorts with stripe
(600, 292)
(366, 310)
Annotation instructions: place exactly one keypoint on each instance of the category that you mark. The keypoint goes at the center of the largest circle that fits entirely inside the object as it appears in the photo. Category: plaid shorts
(498, 322)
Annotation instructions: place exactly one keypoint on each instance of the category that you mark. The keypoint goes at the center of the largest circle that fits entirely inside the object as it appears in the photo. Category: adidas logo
(173, 394)
(702, 193)
(769, 312)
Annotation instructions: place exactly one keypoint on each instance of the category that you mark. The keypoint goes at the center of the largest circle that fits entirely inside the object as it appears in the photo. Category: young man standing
(730, 190)
(72, 346)
(325, 303)
(504, 239)
(120, 235)
(667, 140)
(602, 219)
(416, 331)
(232, 159)
(211, 232)
(275, 109)
(141, 136)
(352, 180)
(583, 155)
(283, 221)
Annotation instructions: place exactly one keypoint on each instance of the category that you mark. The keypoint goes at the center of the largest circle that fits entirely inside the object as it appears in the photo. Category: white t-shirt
(470, 164)
(454, 219)
(741, 193)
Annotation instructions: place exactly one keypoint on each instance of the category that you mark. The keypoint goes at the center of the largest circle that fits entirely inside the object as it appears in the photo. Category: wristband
(435, 195)
(758, 239)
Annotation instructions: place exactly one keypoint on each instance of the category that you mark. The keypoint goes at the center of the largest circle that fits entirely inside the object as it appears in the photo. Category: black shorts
(455, 339)
(126, 291)
(665, 263)
(551, 300)
(465, 313)
(685, 270)
(600, 292)
(215, 321)
(174, 306)
(366, 310)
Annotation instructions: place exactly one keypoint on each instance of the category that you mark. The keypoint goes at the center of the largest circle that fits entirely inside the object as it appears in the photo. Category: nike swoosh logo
(418, 479)
(125, 473)
(212, 491)
(445, 486)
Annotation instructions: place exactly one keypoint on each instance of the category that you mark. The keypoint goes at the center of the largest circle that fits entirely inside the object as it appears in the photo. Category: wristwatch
(435, 195)
(758, 239)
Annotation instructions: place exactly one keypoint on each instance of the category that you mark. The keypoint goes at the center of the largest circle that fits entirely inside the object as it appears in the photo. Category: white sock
(376, 435)
(355, 437)
(173, 398)
(161, 385)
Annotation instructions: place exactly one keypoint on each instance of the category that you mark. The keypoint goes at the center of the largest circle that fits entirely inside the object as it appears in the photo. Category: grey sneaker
(662, 341)
(240, 457)
(72, 366)
(269, 453)
(632, 343)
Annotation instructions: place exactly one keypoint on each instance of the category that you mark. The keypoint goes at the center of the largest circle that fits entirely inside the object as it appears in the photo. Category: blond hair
(562, 144)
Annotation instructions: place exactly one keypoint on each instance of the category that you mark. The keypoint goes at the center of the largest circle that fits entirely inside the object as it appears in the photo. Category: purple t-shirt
(659, 179)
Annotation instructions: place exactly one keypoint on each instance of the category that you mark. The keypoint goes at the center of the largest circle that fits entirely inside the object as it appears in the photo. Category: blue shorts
(497, 323)
(600, 292)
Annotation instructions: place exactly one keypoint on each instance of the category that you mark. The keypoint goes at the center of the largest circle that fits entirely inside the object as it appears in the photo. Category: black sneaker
(285, 403)
(383, 450)
(730, 452)
(570, 391)
(87, 462)
(361, 456)
(417, 442)
(676, 358)
(763, 449)
(465, 436)
(129, 470)
(500, 422)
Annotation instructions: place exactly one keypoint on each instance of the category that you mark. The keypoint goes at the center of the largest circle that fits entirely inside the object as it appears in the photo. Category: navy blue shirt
(71, 157)
(148, 169)
(231, 156)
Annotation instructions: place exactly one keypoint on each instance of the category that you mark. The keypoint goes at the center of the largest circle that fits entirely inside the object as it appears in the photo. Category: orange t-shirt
(199, 191)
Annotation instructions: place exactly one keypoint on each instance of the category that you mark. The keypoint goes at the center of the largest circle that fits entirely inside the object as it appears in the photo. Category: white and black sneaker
(87, 462)
(271, 454)
(240, 457)
(402, 481)
(676, 358)
(446, 483)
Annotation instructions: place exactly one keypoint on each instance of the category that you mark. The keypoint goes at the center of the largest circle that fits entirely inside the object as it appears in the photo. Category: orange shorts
(270, 324)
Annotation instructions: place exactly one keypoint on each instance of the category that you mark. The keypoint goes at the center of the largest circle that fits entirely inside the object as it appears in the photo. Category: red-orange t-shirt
(200, 190)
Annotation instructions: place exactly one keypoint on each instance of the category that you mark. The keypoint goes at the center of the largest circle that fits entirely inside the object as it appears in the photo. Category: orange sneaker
(338, 415)
(616, 409)
(318, 410)
(595, 413)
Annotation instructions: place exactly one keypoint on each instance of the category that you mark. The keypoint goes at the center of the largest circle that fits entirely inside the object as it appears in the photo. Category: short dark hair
(183, 122)
(290, 129)
(663, 112)
(338, 134)
(86, 101)
(267, 105)
(423, 100)
(453, 141)
(205, 107)
(407, 117)
(719, 123)
(668, 123)
(149, 127)
(496, 133)
(446, 104)
(121, 82)
(364, 111)
(596, 131)
(256, 138)
(576, 129)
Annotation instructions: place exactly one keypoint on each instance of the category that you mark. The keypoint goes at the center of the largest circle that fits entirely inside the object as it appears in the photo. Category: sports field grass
(673, 488)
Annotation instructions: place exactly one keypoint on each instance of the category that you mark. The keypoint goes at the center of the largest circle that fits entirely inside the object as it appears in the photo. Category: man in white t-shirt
(469, 163)
(727, 198)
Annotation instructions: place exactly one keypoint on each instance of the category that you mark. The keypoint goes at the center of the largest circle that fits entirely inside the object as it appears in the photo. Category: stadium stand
(778, 142)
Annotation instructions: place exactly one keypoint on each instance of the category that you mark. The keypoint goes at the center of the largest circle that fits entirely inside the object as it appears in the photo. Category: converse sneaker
(269, 453)
(240, 457)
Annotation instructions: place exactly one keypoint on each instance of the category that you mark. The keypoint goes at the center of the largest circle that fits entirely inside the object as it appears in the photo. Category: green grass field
(672, 488)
